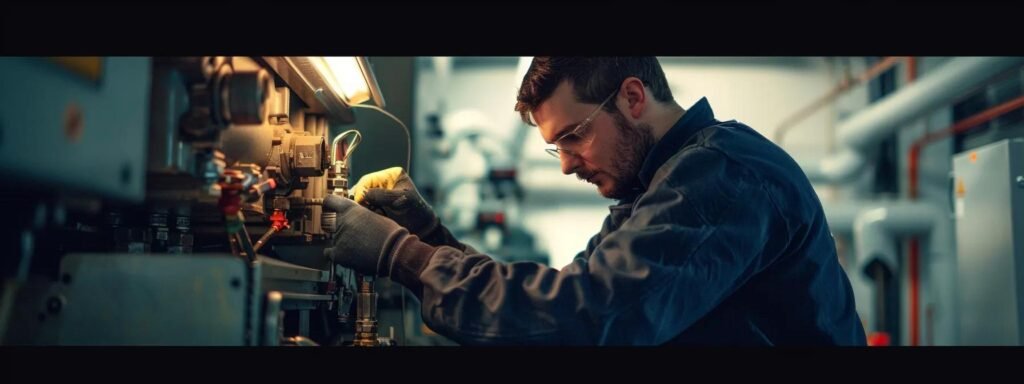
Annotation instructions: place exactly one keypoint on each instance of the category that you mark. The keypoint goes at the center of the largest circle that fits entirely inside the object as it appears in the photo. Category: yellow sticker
(974, 157)
(960, 189)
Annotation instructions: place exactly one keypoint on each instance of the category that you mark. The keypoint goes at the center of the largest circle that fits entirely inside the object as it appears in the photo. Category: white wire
(408, 136)
(351, 147)
(408, 166)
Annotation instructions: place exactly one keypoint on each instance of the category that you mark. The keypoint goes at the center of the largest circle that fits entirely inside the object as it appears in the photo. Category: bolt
(66, 278)
(236, 282)
(1020, 181)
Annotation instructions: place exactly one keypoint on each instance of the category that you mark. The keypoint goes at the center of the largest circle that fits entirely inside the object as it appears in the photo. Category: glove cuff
(408, 260)
(428, 231)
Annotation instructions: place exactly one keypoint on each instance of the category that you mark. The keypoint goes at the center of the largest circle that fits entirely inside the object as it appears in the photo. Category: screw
(1020, 181)
(236, 282)
(66, 278)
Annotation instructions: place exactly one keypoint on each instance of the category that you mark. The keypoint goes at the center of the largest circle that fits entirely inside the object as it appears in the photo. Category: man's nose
(569, 162)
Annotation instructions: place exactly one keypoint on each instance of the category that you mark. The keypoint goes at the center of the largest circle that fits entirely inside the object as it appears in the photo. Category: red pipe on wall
(915, 246)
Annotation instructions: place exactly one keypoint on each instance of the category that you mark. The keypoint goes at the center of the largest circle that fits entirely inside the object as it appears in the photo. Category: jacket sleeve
(442, 236)
(691, 241)
(606, 228)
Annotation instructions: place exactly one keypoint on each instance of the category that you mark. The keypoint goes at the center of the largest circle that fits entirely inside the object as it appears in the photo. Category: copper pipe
(263, 239)
(960, 127)
(911, 69)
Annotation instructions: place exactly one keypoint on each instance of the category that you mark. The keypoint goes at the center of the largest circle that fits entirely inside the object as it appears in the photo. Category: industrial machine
(177, 201)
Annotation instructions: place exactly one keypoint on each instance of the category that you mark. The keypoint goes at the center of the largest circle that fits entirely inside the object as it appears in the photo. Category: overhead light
(346, 76)
(339, 81)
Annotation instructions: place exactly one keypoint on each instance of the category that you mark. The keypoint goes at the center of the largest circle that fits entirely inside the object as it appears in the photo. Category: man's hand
(364, 241)
(392, 191)
(385, 179)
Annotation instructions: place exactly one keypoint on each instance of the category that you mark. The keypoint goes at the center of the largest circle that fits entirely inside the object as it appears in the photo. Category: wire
(408, 136)
(351, 147)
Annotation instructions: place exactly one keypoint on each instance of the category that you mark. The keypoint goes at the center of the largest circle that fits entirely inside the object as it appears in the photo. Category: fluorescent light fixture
(344, 76)
(339, 81)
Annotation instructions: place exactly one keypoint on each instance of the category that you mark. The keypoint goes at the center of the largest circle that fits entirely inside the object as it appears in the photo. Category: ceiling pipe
(844, 85)
(859, 133)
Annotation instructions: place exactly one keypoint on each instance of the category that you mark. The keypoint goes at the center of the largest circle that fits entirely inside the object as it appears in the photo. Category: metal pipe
(244, 240)
(875, 227)
(915, 247)
(272, 325)
(862, 131)
(366, 314)
(840, 216)
(911, 69)
(844, 85)
(954, 79)
(962, 126)
(876, 234)
(233, 242)
(843, 166)
(263, 239)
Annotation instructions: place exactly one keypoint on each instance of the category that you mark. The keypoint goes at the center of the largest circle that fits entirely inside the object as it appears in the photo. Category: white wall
(759, 92)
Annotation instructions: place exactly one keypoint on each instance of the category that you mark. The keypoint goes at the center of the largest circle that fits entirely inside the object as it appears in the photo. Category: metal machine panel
(73, 128)
(149, 299)
(988, 202)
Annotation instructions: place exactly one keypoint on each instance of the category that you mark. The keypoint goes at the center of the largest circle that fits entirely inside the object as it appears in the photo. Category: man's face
(607, 152)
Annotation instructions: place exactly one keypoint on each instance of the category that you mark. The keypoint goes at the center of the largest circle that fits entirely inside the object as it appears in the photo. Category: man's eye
(569, 139)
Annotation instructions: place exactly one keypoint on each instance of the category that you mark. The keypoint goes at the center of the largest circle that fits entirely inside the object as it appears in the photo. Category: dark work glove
(392, 191)
(364, 240)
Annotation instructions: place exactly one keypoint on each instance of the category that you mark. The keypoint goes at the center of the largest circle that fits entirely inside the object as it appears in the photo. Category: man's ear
(635, 95)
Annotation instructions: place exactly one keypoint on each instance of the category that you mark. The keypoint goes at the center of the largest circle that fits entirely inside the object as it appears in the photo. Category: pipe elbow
(874, 241)
(839, 168)
(876, 230)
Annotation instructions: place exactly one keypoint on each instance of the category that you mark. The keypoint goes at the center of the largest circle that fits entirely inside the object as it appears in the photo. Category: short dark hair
(592, 79)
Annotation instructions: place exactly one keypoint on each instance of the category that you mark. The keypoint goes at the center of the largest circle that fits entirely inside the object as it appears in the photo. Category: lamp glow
(344, 76)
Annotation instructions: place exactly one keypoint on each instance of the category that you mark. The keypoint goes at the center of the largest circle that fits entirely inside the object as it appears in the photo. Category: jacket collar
(699, 116)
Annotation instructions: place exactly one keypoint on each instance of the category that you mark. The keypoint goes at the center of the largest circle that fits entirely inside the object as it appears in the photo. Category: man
(718, 237)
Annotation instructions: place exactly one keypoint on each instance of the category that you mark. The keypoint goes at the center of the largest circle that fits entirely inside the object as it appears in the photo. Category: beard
(635, 142)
